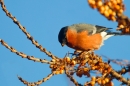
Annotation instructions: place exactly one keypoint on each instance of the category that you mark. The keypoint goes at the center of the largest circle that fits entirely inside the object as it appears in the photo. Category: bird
(84, 37)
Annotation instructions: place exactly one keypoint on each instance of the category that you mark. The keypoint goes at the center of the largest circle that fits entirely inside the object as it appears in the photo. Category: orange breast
(83, 41)
(71, 38)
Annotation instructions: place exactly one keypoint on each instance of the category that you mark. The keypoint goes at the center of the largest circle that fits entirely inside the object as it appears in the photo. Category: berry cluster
(113, 10)
(108, 8)
(101, 81)
(78, 65)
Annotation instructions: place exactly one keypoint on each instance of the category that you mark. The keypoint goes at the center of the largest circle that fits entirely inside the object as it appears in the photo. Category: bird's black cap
(62, 36)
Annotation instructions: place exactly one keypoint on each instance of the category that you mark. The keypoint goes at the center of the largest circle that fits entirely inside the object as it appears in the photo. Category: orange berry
(93, 67)
(93, 78)
(89, 61)
(67, 59)
(99, 81)
(109, 4)
(54, 66)
(110, 11)
(100, 70)
(101, 9)
(92, 2)
(51, 66)
(99, 3)
(57, 72)
(106, 7)
(117, 7)
(106, 14)
(127, 30)
(103, 82)
(73, 62)
(86, 56)
(109, 84)
(113, 2)
(107, 80)
(101, 64)
(62, 68)
(119, 1)
(113, 13)
(93, 6)
(61, 71)
(113, 18)
(121, 26)
(121, 11)
(92, 83)
(105, 71)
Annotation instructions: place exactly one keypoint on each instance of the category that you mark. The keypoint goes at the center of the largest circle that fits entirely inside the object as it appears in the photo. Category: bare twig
(71, 78)
(120, 77)
(38, 82)
(24, 55)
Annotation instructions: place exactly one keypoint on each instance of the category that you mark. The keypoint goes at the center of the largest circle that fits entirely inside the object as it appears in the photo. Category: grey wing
(102, 29)
(82, 27)
(107, 30)
(91, 29)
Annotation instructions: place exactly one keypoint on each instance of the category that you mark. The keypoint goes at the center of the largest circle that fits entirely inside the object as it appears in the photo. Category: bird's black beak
(62, 44)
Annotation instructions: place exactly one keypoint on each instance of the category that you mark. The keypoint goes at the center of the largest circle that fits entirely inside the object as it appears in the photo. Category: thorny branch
(38, 82)
(71, 77)
(24, 55)
(120, 77)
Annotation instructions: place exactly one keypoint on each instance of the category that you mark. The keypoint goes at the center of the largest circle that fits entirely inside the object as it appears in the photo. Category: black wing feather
(102, 29)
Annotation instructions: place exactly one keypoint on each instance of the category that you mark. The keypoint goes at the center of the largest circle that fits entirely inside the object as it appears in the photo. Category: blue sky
(43, 19)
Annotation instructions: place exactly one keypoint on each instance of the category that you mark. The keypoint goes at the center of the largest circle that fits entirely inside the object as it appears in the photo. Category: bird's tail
(117, 33)
(114, 33)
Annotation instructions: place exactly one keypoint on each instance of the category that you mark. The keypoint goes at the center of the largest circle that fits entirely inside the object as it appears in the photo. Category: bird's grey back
(91, 29)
